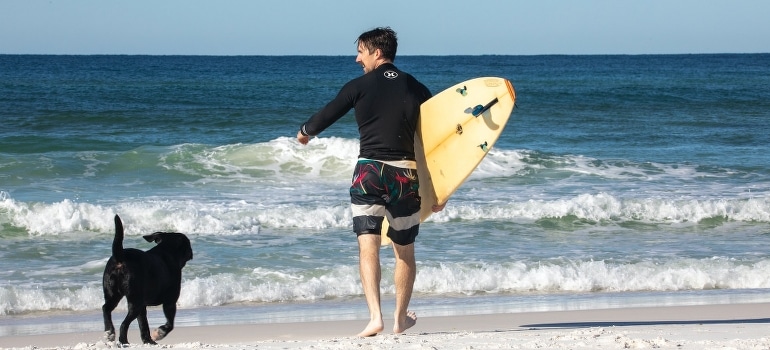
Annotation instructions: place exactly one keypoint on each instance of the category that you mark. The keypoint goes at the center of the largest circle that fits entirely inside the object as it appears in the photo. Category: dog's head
(176, 244)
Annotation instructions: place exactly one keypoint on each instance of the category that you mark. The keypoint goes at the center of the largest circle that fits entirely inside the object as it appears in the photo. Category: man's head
(375, 47)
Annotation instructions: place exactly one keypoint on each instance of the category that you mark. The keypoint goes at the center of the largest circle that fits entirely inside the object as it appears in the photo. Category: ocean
(639, 180)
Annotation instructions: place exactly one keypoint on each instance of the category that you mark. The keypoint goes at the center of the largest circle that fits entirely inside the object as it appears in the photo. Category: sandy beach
(730, 326)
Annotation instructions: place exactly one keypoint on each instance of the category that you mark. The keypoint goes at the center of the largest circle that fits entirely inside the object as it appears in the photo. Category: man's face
(367, 60)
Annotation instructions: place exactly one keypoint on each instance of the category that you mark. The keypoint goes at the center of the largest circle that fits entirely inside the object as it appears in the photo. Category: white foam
(242, 217)
(603, 207)
(282, 160)
(592, 276)
(266, 285)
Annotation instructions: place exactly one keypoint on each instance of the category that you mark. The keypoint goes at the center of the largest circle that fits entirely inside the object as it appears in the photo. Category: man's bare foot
(374, 327)
(409, 321)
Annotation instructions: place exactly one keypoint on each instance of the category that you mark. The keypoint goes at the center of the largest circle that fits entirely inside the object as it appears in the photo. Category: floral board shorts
(380, 190)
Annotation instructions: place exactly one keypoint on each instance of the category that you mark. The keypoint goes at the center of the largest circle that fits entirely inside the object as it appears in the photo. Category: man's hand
(438, 207)
(303, 139)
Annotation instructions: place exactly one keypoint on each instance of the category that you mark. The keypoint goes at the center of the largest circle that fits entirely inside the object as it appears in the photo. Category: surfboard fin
(478, 110)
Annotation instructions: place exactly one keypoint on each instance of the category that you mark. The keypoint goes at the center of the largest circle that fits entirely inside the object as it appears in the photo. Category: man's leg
(406, 270)
(369, 268)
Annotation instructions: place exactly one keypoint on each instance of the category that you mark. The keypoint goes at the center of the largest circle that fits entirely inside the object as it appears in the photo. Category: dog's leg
(144, 326)
(134, 310)
(169, 310)
(109, 304)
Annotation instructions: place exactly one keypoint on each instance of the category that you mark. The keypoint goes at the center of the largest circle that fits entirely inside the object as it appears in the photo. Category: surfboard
(456, 130)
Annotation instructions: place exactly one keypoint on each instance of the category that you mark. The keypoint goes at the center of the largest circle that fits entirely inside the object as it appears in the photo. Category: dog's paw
(109, 336)
(158, 334)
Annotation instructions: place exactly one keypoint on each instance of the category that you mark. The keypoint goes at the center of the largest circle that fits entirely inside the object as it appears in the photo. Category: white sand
(736, 326)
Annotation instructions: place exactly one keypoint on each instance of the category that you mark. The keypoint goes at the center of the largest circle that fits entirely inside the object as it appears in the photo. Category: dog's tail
(117, 243)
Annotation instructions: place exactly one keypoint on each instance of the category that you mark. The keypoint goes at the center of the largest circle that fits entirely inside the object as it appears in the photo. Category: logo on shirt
(390, 74)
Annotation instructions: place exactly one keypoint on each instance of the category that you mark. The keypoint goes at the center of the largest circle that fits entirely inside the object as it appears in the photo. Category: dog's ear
(155, 237)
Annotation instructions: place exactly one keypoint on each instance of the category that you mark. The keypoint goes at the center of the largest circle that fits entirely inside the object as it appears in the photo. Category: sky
(424, 27)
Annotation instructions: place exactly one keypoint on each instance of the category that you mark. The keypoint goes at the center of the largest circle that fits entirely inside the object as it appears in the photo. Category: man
(387, 106)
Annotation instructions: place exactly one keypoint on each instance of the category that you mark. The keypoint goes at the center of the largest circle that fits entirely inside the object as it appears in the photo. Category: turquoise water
(619, 180)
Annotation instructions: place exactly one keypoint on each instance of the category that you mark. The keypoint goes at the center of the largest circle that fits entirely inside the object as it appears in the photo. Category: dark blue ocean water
(618, 179)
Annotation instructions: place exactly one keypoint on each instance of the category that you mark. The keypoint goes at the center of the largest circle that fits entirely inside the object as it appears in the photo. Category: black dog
(146, 279)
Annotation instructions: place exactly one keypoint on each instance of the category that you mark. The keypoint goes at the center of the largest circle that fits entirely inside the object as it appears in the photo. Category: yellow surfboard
(457, 128)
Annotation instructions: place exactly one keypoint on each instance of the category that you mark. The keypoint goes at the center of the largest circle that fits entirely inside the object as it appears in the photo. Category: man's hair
(382, 38)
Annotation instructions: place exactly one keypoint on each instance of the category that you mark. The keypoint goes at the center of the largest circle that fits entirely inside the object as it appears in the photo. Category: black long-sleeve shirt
(387, 106)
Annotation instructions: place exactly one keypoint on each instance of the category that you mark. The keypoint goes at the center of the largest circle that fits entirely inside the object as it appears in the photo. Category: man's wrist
(302, 130)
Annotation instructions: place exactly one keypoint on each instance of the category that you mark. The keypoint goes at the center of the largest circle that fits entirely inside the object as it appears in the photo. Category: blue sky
(429, 27)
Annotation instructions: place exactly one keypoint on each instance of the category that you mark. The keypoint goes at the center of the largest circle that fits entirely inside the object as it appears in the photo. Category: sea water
(618, 181)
